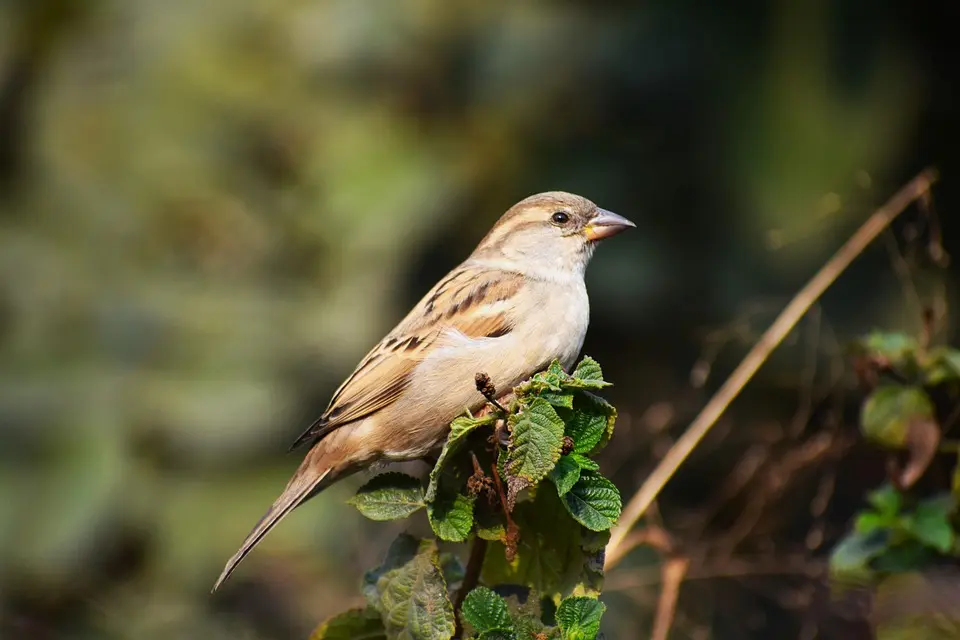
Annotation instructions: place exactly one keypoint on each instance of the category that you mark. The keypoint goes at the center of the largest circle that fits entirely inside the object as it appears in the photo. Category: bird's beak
(606, 224)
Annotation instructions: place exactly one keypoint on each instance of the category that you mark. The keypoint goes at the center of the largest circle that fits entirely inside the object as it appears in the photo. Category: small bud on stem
(487, 390)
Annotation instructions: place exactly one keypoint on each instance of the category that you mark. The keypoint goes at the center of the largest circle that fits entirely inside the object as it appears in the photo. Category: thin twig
(726, 568)
(512, 533)
(653, 537)
(769, 341)
(674, 569)
(488, 391)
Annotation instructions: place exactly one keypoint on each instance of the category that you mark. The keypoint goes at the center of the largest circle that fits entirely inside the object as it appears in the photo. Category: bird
(516, 304)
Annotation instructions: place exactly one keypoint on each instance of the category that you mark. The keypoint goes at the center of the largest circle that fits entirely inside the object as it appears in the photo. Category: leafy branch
(913, 401)
(520, 484)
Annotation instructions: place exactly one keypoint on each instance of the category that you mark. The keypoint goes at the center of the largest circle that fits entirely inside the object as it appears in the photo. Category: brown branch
(768, 342)
(673, 571)
(471, 578)
(512, 533)
(728, 568)
(650, 536)
(775, 480)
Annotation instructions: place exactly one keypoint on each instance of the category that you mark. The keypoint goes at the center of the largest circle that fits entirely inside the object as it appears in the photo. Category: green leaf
(555, 370)
(546, 380)
(493, 533)
(588, 370)
(930, 524)
(942, 504)
(484, 610)
(449, 509)
(851, 558)
(587, 424)
(893, 346)
(594, 501)
(886, 415)
(611, 423)
(579, 618)
(886, 500)
(389, 496)
(536, 441)
(490, 523)
(402, 550)
(587, 375)
(551, 556)
(451, 517)
(584, 462)
(460, 428)
(558, 399)
(565, 474)
(497, 634)
(951, 359)
(944, 365)
(413, 600)
(355, 624)
(871, 521)
(903, 557)
(592, 422)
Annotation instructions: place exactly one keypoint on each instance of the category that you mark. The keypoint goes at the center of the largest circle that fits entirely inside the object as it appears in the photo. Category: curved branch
(769, 341)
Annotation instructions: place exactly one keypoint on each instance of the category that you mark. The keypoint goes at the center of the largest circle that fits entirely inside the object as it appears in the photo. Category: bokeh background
(211, 209)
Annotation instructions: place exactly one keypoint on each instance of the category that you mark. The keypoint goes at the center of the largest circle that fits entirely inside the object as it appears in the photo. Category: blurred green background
(211, 209)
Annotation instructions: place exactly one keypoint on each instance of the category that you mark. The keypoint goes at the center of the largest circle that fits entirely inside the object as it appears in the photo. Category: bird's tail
(319, 469)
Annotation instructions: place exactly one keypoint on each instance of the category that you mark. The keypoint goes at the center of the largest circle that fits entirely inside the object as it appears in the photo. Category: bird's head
(552, 230)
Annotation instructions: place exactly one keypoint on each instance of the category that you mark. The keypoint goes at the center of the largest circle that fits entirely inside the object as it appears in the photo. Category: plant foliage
(488, 485)
(905, 530)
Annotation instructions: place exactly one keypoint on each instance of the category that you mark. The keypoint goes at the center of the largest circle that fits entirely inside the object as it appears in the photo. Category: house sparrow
(516, 304)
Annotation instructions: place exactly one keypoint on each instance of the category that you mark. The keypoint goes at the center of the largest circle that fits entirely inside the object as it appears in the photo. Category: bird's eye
(560, 217)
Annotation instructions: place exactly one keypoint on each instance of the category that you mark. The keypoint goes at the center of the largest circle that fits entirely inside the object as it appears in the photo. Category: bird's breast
(549, 321)
(554, 326)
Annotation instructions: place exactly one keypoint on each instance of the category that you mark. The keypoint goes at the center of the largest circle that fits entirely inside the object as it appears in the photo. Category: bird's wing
(471, 302)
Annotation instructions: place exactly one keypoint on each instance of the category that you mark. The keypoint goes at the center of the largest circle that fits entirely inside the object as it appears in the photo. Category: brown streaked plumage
(386, 371)
(514, 305)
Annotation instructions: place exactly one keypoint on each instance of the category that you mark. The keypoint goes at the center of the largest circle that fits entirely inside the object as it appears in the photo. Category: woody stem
(471, 577)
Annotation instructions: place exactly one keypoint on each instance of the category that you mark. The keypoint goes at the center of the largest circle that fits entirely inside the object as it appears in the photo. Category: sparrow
(516, 304)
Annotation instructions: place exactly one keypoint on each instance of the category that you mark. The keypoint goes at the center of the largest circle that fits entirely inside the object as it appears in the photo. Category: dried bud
(568, 445)
(475, 485)
(485, 386)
